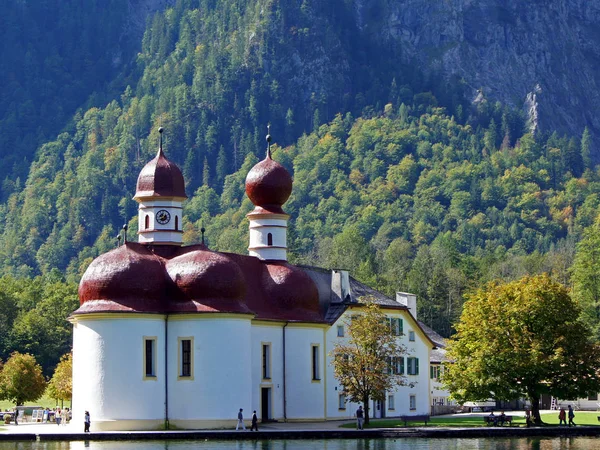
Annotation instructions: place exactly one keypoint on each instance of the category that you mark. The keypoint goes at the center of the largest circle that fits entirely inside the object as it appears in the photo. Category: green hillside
(397, 176)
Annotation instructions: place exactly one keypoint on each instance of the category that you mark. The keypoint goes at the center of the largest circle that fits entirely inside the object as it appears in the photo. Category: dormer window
(269, 239)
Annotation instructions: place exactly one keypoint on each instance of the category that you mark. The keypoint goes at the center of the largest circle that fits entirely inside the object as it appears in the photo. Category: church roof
(171, 279)
(268, 186)
(160, 178)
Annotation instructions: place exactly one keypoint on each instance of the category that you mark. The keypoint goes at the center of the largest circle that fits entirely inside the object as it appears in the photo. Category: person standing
(57, 416)
(254, 422)
(16, 416)
(86, 422)
(360, 417)
(240, 421)
(562, 417)
(571, 415)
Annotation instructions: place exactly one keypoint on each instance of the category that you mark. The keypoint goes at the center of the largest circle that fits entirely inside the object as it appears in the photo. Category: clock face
(163, 217)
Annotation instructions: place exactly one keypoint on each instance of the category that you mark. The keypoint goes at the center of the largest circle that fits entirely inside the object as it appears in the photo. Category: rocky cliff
(544, 51)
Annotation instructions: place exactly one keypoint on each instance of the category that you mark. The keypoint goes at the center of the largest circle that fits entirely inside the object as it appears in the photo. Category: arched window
(269, 239)
(176, 223)
(146, 222)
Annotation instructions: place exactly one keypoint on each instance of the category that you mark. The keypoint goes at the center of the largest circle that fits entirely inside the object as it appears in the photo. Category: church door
(265, 404)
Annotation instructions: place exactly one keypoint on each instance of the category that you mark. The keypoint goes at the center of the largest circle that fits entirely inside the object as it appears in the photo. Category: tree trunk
(366, 408)
(535, 409)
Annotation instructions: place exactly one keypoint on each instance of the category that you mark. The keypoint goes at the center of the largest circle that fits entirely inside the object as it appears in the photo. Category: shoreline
(341, 433)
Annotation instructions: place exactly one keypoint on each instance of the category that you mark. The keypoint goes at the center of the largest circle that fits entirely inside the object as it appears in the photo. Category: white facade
(235, 363)
(160, 221)
(108, 366)
(417, 385)
(268, 236)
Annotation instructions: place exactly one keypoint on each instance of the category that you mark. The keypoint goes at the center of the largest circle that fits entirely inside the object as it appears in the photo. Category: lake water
(575, 443)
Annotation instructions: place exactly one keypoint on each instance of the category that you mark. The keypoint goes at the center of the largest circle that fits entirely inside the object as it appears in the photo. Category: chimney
(408, 300)
(340, 286)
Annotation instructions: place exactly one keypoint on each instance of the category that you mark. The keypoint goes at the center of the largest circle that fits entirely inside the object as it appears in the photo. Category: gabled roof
(438, 355)
(358, 290)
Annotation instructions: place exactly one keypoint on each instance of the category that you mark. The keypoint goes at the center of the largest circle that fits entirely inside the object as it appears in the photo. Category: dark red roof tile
(160, 178)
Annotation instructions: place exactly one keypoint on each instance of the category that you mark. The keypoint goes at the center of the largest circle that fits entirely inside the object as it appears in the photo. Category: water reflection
(578, 443)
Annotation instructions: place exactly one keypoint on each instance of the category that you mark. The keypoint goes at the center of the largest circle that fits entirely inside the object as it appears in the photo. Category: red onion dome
(292, 289)
(269, 185)
(202, 275)
(128, 278)
(160, 178)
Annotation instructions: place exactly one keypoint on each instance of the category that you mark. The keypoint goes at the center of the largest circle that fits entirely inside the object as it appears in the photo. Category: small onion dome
(129, 278)
(206, 281)
(269, 185)
(293, 291)
(160, 178)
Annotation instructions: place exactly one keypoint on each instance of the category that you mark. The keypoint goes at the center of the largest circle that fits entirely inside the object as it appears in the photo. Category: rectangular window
(391, 402)
(315, 363)
(186, 358)
(413, 402)
(411, 336)
(396, 365)
(149, 357)
(342, 401)
(413, 366)
(395, 326)
(434, 372)
(340, 331)
(266, 361)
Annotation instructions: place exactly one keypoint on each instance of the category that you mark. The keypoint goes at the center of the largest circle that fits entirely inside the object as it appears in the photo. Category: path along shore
(288, 430)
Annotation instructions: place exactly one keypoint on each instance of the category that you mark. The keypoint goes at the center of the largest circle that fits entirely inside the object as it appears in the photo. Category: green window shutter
(401, 326)
(431, 372)
(416, 366)
(401, 371)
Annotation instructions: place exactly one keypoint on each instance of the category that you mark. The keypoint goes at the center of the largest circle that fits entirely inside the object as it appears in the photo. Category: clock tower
(160, 192)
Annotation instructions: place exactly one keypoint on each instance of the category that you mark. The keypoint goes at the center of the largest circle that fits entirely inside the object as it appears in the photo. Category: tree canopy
(60, 386)
(522, 339)
(364, 363)
(21, 379)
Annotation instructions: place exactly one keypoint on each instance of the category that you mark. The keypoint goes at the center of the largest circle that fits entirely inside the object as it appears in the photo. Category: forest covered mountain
(411, 146)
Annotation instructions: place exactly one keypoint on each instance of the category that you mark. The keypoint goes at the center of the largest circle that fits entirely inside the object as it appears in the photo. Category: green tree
(585, 276)
(522, 339)
(60, 386)
(363, 363)
(21, 379)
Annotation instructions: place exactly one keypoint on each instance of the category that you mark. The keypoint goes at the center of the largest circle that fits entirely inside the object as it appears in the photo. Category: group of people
(497, 420)
(562, 416)
(240, 422)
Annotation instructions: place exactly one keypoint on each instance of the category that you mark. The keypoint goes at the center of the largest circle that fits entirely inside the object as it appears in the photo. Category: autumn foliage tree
(361, 363)
(21, 379)
(522, 339)
(61, 384)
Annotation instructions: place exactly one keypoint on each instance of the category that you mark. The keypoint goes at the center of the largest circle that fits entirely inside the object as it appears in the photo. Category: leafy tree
(60, 386)
(585, 275)
(522, 339)
(362, 363)
(21, 379)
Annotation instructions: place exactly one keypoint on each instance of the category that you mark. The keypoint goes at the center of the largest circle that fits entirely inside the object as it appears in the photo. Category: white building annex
(173, 336)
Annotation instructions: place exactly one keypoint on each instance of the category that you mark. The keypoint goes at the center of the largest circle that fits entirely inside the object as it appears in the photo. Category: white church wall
(305, 396)
(109, 373)
(271, 335)
(220, 381)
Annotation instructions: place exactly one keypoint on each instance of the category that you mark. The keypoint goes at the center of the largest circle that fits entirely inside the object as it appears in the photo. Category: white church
(182, 337)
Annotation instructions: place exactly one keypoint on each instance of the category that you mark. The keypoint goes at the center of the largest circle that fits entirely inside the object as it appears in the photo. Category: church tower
(160, 193)
(268, 186)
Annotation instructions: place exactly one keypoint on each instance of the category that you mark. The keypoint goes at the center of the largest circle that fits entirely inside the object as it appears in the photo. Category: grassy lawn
(581, 418)
(44, 402)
